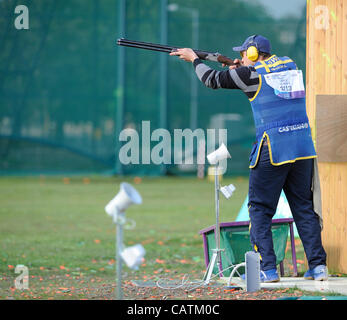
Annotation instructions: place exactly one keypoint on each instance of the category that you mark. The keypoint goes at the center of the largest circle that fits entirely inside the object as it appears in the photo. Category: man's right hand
(237, 64)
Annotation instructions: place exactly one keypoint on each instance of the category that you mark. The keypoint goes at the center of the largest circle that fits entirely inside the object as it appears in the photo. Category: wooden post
(326, 74)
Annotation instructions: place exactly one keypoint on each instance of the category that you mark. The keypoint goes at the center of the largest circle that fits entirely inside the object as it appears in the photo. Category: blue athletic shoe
(308, 275)
(269, 276)
(319, 273)
(266, 276)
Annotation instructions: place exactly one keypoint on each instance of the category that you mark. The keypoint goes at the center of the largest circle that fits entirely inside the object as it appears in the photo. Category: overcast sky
(280, 8)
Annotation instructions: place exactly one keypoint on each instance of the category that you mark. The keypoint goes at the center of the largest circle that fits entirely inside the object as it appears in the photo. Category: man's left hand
(185, 54)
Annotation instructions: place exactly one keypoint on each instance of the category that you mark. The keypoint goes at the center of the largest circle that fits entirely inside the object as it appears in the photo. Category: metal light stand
(216, 256)
(119, 221)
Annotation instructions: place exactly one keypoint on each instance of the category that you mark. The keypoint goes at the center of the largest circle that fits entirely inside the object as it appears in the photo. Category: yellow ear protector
(252, 50)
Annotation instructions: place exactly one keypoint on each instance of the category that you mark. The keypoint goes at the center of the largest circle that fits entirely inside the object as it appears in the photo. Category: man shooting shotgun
(203, 55)
(282, 157)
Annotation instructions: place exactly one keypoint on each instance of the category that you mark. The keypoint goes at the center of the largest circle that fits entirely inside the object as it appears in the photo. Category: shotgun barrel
(203, 55)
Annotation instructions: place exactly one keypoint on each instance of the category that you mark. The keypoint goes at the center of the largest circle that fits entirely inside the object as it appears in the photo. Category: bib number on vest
(286, 84)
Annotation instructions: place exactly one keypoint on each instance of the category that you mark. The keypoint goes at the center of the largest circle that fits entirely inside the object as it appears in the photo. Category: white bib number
(286, 84)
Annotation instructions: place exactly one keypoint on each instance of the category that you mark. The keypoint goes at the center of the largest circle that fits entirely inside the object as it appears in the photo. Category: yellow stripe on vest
(259, 87)
(268, 66)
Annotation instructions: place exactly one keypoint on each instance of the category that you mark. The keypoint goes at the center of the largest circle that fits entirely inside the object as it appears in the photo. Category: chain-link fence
(67, 90)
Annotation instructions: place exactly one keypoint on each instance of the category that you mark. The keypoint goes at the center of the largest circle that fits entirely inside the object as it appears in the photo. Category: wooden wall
(326, 74)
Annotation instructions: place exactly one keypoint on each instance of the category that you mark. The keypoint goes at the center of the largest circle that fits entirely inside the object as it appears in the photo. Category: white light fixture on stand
(116, 208)
(132, 256)
(218, 155)
(214, 158)
(228, 190)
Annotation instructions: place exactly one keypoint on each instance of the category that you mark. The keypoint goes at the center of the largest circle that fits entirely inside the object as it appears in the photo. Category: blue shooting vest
(280, 117)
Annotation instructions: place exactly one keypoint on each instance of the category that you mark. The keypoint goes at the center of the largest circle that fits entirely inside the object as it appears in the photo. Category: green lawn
(57, 227)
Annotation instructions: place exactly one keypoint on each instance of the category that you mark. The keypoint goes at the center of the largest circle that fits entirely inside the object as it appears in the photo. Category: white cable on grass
(192, 285)
(235, 270)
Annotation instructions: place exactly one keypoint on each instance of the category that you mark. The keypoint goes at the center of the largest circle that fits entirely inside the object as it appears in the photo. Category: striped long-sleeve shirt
(243, 78)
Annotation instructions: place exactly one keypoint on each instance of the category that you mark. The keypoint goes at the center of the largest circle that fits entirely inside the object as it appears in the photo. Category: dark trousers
(265, 185)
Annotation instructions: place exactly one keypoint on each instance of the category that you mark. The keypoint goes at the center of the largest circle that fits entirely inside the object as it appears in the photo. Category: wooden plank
(339, 42)
(323, 81)
(326, 74)
(331, 77)
(310, 79)
(324, 88)
(326, 52)
(344, 47)
(331, 118)
(332, 48)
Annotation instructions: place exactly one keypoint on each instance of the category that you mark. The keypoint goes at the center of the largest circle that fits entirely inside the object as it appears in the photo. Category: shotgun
(203, 55)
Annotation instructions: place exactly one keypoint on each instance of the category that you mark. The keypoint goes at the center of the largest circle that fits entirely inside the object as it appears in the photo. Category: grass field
(58, 229)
